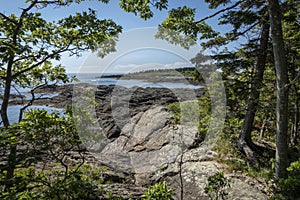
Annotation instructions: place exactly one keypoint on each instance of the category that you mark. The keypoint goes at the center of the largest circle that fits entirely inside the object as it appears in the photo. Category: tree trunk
(245, 141)
(13, 149)
(281, 67)
(6, 95)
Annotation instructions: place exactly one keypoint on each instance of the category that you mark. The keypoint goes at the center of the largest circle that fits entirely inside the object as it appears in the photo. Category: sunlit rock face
(152, 149)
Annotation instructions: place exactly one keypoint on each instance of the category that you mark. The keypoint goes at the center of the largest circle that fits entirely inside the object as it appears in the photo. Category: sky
(136, 50)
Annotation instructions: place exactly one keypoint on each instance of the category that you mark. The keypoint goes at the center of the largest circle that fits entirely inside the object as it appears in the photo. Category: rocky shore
(115, 99)
(143, 145)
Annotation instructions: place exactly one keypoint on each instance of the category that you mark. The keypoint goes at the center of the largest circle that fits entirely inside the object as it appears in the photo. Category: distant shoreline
(116, 76)
(180, 75)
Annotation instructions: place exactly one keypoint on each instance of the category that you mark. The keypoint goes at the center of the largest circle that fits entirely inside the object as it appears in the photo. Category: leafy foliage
(217, 186)
(45, 166)
(29, 45)
(55, 183)
(290, 187)
(158, 191)
(192, 113)
(143, 7)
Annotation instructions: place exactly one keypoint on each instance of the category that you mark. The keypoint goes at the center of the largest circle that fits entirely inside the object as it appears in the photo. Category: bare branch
(33, 98)
(234, 36)
(23, 58)
(52, 2)
(25, 10)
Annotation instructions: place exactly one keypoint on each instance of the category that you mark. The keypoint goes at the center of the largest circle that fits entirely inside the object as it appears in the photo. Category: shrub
(217, 186)
(192, 113)
(159, 191)
(290, 187)
(49, 162)
(174, 108)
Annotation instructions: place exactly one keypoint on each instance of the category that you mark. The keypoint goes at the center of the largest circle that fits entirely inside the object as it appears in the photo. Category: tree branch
(294, 80)
(52, 2)
(64, 49)
(245, 31)
(20, 94)
(8, 19)
(220, 11)
(25, 10)
(31, 100)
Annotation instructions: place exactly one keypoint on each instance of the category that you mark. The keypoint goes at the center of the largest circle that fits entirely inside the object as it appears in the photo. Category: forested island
(233, 135)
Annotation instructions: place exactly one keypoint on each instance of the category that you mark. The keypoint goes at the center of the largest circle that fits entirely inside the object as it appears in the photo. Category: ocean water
(95, 79)
(14, 111)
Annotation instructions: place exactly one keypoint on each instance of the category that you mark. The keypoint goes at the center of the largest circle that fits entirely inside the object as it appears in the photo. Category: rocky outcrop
(147, 144)
(116, 104)
(143, 146)
(119, 105)
(152, 149)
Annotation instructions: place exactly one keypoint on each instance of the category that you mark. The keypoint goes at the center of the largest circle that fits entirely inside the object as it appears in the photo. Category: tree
(244, 16)
(29, 43)
(281, 67)
(291, 34)
(245, 139)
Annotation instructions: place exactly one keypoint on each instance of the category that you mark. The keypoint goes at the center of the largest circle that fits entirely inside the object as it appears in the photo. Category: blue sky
(147, 50)
(137, 49)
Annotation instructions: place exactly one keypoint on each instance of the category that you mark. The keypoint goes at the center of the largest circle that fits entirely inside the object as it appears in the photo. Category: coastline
(64, 93)
(158, 84)
(116, 99)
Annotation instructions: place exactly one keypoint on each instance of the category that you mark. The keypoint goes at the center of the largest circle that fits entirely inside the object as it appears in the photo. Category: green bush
(45, 167)
(174, 108)
(217, 186)
(192, 113)
(80, 182)
(290, 187)
(159, 191)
